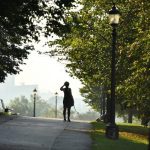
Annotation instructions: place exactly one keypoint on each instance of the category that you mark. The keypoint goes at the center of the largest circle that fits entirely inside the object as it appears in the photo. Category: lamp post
(34, 97)
(112, 130)
(56, 104)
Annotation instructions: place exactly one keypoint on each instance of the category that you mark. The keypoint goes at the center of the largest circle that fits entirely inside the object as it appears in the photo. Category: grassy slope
(131, 137)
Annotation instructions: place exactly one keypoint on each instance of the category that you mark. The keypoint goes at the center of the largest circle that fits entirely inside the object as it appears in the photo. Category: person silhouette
(68, 100)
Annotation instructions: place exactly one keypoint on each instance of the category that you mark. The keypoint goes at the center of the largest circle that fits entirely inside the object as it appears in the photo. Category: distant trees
(90, 115)
(24, 107)
(87, 52)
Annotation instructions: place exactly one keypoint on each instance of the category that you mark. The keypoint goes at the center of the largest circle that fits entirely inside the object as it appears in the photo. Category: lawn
(131, 137)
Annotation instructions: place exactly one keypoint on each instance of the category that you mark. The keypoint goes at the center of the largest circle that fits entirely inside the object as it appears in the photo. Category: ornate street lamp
(34, 97)
(56, 104)
(114, 16)
(112, 130)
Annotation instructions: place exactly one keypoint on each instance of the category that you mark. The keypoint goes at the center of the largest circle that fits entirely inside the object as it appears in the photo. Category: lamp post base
(112, 131)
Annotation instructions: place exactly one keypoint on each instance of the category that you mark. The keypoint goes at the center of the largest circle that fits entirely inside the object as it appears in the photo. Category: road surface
(27, 133)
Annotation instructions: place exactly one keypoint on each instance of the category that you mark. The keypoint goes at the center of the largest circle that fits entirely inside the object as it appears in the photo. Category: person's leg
(64, 113)
(69, 108)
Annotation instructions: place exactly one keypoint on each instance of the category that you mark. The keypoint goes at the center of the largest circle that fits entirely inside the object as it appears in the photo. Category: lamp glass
(114, 18)
(34, 91)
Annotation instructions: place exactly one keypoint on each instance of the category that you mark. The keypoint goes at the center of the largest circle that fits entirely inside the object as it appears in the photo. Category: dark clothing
(64, 112)
(68, 100)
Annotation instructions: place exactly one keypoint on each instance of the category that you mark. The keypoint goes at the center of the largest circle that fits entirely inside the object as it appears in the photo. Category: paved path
(24, 133)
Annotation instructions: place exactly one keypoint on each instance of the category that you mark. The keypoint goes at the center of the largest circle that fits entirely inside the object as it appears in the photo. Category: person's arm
(62, 88)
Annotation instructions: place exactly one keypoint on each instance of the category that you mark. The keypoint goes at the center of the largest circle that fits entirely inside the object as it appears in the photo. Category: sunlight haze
(47, 73)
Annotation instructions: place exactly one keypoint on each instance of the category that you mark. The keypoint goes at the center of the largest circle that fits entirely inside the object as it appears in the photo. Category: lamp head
(114, 15)
(34, 91)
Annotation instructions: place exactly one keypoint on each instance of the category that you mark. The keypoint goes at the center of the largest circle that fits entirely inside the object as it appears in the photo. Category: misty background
(19, 97)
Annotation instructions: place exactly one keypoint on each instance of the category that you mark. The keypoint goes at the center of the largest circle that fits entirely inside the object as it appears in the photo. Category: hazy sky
(47, 73)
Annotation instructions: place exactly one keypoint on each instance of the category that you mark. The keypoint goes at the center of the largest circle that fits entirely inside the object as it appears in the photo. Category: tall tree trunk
(104, 104)
(107, 109)
(130, 115)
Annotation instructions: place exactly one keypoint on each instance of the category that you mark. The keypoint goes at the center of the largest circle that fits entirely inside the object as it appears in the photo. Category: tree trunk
(107, 119)
(104, 104)
(130, 115)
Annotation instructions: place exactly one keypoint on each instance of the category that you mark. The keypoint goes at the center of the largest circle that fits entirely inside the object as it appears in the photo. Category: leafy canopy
(87, 51)
(22, 21)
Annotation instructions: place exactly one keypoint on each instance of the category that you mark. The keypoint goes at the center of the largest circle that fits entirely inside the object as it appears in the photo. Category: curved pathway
(27, 133)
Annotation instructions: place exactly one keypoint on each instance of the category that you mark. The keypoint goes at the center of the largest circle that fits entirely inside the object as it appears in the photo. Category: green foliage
(23, 21)
(23, 106)
(87, 49)
(91, 96)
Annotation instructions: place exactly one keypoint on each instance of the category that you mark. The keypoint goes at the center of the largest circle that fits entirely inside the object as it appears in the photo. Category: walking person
(68, 100)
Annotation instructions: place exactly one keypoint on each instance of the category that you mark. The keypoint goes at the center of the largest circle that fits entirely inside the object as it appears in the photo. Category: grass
(5, 113)
(131, 137)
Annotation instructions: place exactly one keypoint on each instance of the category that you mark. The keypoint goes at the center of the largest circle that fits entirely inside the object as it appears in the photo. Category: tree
(24, 107)
(87, 51)
(22, 21)
(43, 108)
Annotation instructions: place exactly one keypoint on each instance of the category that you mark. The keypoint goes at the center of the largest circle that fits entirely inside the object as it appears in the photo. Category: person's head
(66, 83)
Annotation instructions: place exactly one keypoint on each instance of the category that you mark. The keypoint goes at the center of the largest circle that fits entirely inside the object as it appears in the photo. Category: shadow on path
(75, 136)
